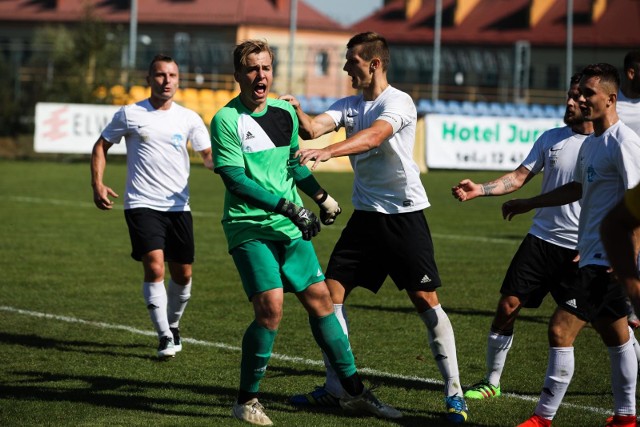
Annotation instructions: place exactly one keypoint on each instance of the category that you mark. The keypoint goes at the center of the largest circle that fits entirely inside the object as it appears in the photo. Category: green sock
(335, 344)
(257, 344)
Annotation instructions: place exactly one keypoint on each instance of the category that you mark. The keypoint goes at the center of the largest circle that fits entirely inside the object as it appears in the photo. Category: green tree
(77, 60)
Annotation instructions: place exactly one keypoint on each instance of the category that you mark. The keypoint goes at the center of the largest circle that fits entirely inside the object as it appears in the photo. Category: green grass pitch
(77, 344)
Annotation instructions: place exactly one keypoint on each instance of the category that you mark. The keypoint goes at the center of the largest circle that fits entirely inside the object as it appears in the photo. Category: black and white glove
(306, 221)
(329, 208)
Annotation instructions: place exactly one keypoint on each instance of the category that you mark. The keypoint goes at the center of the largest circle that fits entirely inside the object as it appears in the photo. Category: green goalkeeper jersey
(263, 144)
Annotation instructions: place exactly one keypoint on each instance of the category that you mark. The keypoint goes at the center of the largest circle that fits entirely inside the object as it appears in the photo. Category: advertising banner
(483, 143)
(72, 128)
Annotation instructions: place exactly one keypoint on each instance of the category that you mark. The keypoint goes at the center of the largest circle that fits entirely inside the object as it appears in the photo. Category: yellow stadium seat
(222, 97)
(138, 93)
(178, 95)
(190, 94)
(119, 95)
(207, 116)
(100, 92)
(206, 95)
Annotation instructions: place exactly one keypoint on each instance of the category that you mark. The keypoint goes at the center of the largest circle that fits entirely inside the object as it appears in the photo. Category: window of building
(322, 63)
(553, 77)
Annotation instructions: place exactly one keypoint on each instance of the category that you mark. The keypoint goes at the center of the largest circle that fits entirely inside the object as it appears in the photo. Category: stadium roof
(175, 12)
(597, 23)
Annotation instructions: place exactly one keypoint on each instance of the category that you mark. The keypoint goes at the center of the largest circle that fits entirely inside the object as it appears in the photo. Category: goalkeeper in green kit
(254, 142)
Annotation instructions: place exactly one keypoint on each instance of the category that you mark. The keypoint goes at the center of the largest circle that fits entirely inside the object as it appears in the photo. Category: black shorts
(375, 245)
(537, 268)
(595, 293)
(170, 231)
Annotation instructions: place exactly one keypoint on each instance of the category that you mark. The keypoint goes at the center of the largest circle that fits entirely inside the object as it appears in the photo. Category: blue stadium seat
(496, 109)
(304, 102)
(482, 109)
(454, 107)
(440, 107)
(522, 110)
(509, 109)
(550, 111)
(468, 108)
(316, 105)
(424, 106)
(536, 110)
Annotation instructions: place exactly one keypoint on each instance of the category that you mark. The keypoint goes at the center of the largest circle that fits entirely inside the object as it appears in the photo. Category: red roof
(193, 12)
(503, 22)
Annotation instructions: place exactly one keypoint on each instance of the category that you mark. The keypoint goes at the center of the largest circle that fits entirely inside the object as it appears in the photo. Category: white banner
(485, 143)
(72, 128)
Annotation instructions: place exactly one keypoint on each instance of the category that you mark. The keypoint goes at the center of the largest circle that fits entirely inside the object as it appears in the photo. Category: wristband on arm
(329, 208)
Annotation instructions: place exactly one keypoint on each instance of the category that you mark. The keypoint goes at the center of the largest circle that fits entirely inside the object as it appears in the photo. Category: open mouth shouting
(260, 90)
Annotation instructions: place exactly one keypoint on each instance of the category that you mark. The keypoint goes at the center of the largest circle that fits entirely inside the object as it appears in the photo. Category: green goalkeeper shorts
(266, 264)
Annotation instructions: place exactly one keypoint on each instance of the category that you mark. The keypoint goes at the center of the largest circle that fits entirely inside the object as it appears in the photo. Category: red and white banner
(72, 128)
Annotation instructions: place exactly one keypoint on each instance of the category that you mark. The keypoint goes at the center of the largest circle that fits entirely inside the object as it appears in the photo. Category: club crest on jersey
(176, 141)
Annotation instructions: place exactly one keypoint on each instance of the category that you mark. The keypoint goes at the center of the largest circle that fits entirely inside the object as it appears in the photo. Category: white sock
(155, 296)
(624, 372)
(177, 299)
(332, 381)
(636, 346)
(443, 348)
(559, 373)
(497, 349)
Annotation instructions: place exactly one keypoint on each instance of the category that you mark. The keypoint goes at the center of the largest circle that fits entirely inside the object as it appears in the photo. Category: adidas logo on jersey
(249, 135)
(425, 279)
(572, 303)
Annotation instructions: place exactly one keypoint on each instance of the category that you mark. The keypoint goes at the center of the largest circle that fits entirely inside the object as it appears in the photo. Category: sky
(346, 12)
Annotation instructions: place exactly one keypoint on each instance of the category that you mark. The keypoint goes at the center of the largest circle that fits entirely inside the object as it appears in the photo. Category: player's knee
(559, 336)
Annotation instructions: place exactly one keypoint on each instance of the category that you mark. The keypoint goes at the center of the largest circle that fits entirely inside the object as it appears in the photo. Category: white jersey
(386, 179)
(157, 158)
(556, 151)
(629, 111)
(608, 165)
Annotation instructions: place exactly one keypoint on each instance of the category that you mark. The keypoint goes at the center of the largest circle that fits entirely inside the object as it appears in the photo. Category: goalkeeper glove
(306, 221)
(329, 208)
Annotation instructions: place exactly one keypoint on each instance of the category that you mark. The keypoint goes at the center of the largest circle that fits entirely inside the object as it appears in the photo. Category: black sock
(245, 396)
(353, 385)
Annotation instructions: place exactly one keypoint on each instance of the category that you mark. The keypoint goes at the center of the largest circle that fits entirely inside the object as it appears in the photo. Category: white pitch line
(293, 359)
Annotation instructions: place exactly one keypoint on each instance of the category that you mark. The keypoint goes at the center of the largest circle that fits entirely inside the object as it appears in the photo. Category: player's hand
(306, 221)
(101, 197)
(466, 190)
(291, 100)
(317, 155)
(329, 208)
(514, 207)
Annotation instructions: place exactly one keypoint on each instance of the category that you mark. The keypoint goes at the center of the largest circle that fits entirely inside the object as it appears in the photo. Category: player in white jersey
(387, 235)
(628, 105)
(547, 255)
(628, 108)
(156, 202)
(608, 164)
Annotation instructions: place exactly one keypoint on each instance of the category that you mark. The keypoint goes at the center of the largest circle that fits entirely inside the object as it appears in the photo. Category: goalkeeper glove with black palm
(329, 208)
(306, 221)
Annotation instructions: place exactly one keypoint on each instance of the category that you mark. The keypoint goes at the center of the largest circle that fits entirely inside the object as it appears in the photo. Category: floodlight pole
(133, 34)
(569, 60)
(293, 18)
(435, 77)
